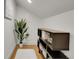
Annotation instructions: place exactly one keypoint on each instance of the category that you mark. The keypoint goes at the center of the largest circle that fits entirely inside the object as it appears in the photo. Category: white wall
(33, 23)
(64, 22)
(9, 41)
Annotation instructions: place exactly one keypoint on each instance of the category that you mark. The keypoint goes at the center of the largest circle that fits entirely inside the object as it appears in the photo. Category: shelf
(59, 41)
(52, 30)
(53, 42)
(52, 53)
(46, 43)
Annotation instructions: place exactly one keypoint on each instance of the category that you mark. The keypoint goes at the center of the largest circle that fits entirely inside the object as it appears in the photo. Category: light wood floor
(39, 56)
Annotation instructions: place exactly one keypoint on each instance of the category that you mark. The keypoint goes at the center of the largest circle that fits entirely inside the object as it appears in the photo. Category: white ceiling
(47, 8)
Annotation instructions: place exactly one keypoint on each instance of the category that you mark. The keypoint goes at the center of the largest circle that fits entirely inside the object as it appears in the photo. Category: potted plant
(21, 30)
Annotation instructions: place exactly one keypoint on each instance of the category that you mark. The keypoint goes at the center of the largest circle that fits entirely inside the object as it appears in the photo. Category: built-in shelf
(53, 42)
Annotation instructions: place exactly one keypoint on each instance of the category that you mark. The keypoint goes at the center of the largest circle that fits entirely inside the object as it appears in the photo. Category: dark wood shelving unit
(60, 41)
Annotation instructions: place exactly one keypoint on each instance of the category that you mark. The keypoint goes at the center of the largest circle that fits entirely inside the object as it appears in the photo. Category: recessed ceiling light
(29, 1)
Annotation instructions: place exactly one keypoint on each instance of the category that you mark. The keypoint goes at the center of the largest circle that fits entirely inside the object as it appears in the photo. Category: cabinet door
(61, 41)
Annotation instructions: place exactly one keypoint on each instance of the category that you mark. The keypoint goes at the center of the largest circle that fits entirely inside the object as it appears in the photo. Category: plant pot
(20, 45)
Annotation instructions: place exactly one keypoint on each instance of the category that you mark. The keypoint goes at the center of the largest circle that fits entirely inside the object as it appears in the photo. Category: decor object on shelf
(21, 30)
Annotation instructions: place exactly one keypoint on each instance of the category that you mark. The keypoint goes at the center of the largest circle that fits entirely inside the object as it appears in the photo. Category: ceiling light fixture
(29, 1)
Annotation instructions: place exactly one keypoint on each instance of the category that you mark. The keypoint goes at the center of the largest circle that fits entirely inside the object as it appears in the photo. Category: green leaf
(20, 30)
(27, 34)
(25, 30)
(16, 31)
(24, 25)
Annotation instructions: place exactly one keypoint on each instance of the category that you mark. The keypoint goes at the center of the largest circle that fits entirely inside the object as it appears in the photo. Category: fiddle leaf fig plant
(21, 29)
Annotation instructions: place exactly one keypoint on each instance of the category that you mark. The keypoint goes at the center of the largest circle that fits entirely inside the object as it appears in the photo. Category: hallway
(39, 56)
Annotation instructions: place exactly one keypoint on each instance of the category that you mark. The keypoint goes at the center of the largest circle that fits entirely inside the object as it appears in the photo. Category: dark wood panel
(60, 40)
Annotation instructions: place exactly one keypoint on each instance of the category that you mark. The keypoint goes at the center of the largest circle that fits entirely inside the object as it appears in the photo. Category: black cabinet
(55, 54)
(60, 41)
